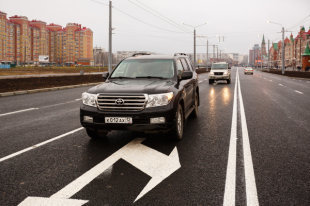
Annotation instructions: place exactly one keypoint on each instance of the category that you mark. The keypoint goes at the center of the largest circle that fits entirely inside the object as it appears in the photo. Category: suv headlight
(156, 100)
(225, 72)
(211, 72)
(89, 99)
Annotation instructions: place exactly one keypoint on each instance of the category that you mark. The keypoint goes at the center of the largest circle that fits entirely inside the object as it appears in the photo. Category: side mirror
(186, 75)
(105, 75)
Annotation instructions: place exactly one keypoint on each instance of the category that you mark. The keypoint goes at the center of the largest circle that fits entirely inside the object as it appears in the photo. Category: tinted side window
(189, 64)
(185, 65)
(179, 66)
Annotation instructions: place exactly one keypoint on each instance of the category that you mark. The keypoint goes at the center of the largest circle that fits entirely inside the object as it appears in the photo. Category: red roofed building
(301, 41)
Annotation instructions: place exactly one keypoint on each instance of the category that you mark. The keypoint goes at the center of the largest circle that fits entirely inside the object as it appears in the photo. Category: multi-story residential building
(273, 52)
(23, 41)
(23, 33)
(54, 42)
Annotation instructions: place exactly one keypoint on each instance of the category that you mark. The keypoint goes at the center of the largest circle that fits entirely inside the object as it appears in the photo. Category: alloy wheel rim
(179, 122)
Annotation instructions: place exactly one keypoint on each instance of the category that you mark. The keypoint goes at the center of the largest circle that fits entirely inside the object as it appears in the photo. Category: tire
(228, 81)
(195, 111)
(178, 129)
(211, 81)
(94, 134)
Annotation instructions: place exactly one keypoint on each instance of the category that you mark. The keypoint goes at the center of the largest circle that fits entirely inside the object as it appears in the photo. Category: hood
(219, 70)
(144, 86)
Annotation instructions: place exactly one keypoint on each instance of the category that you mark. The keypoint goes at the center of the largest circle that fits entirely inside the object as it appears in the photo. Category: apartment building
(23, 41)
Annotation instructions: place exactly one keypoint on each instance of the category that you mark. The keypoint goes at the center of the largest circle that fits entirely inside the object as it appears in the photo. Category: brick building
(23, 41)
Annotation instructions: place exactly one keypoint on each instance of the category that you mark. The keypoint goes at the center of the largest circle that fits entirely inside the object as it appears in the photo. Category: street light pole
(110, 38)
(194, 27)
(283, 52)
(195, 48)
(283, 45)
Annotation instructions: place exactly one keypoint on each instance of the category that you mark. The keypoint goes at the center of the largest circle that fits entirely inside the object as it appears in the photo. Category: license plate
(118, 120)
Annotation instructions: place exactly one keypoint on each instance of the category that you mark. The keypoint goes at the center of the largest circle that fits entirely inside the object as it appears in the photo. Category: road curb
(6, 94)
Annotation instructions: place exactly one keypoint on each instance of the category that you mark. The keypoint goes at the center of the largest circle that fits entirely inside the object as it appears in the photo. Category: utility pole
(213, 51)
(283, 55)
(268, 64)
(194, 48)
(207, 53)
(110, 38)
(217, 53)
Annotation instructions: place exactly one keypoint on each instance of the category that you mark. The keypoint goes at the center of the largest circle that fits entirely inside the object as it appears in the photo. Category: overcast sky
(241, 22)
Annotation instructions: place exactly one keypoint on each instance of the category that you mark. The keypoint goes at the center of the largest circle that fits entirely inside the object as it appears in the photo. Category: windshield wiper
(149, 77)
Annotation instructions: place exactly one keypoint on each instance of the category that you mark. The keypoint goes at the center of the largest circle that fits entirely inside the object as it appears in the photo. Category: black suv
(143, 93)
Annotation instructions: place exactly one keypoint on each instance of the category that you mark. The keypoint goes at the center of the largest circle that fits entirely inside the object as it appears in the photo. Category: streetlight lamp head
(268, 22)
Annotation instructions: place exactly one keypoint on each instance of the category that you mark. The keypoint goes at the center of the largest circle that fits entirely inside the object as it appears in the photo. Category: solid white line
(250, 185)
(298, 92)
(58, 104)
(19, 111)
(230, 184)
(78, 99)
(39, 145)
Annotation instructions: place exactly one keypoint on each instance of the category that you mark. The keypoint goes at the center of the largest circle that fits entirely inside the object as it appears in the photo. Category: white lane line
(19, 111)
(270, 80)
(78, 99)
(250, 185)
(230, 184)
(281, 85)
(58, 104)
(205, 79)
(200, 82)
(39, 145)
(298, 92)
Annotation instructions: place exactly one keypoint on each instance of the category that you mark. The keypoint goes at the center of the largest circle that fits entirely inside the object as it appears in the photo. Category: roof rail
(141, 53)
(180, 54)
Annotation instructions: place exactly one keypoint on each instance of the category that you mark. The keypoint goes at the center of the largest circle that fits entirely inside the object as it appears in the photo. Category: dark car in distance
(143, 93)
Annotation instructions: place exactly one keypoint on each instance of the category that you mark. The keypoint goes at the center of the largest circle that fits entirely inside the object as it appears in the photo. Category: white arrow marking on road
(155, 164)
(43, 201)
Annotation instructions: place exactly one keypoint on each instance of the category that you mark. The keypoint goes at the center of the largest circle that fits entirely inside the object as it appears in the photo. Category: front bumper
(219, 77)
(140, 119)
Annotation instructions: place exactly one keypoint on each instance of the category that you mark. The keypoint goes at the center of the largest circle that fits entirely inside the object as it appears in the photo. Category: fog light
(88, 119)
(158, 120)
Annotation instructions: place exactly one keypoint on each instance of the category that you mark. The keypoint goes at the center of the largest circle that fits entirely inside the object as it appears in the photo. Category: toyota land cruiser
(143, 93)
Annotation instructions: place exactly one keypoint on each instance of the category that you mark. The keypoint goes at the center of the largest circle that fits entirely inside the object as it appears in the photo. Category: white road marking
(230, 184)
(53, 105)
(78, 99)
(32, 201)
(250, 185)
(19, 111)
(155, 164)
(281, 85)
(270, 80)
(39, 145)
(298, 92)
(200, 82)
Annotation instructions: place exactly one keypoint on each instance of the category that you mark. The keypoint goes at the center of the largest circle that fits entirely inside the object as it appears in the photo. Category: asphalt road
(250, 145)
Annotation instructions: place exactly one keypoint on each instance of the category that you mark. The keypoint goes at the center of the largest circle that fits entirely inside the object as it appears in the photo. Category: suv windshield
(219, 66)
(148, 68)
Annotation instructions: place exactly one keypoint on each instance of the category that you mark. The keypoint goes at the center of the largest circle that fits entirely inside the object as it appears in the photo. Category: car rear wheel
(177, 131)
(195, 111)
(95, 134)
(211, 81)
(228, 81)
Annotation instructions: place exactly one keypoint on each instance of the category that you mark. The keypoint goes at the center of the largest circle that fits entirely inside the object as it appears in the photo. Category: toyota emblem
(119, 101)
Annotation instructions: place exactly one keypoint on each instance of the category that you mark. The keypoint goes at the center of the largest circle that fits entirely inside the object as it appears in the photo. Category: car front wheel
(177, 132)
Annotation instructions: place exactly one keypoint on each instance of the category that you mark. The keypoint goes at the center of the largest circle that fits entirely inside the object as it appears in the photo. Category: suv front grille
(113, 102)
(218, 73)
